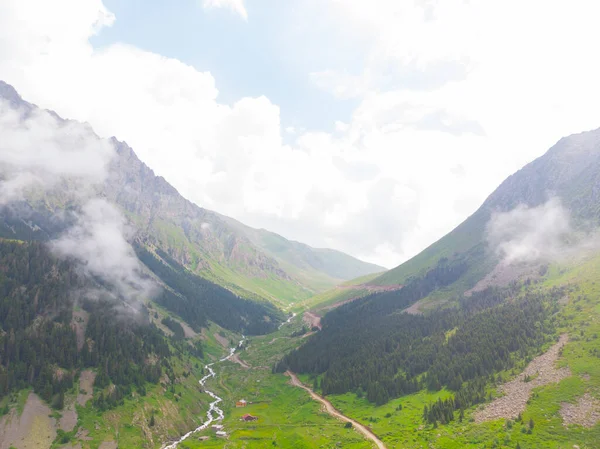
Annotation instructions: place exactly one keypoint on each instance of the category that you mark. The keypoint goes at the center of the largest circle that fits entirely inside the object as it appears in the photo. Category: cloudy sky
(370, 127)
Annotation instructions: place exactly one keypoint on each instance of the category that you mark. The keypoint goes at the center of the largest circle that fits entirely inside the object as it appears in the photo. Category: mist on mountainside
(542, 234)
(39, 153)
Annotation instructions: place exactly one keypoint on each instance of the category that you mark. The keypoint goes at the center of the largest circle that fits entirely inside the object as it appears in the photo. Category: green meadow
(289, 418)
(399, 424)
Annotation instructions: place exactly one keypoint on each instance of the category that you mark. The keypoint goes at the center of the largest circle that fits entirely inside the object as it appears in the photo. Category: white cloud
(342, 85)
(236, 6)
(98, 241)
(530, 234)
(481, 86)
(38, 151)
(542, 234)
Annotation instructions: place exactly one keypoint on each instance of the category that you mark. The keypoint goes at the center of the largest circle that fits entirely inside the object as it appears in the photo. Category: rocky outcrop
(210, 244)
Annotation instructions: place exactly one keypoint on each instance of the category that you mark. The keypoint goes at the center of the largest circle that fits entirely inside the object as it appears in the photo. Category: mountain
(117, 295)
(315, 266)
(250, 262)
(569, 172)
(490, 335)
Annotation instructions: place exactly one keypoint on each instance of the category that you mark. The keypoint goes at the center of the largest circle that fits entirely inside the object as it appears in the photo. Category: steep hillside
(506, 353)
(569, 171)
(249, 262)
(314, 266)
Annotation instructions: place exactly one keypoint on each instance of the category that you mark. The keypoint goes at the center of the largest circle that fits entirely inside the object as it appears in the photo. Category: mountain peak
(9, 93)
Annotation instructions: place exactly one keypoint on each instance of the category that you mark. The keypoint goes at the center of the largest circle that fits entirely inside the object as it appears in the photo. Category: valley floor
(335, 413)
(561, 397)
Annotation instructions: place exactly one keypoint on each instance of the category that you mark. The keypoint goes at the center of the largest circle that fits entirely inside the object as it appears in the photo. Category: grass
(580, 318)
(338, 293)
(288, 417)
(399, 423)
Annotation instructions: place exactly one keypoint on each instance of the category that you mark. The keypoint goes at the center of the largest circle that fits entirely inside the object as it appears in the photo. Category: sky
(370, 127)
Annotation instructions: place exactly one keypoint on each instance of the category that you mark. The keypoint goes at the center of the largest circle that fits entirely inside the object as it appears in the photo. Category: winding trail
(214, 406)
(335, 413)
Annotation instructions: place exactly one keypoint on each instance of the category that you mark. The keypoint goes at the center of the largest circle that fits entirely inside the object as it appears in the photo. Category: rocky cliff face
(178, 226)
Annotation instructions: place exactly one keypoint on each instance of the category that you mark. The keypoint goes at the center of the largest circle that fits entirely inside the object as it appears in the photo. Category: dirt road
(335, 413)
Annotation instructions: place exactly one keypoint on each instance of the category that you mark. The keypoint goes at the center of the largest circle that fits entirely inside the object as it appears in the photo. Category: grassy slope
(462, 239)
(270, 286)
(175, 412)
(288, 418)
(580, 318)
(466, 238)
(346, 290)
(316, 268)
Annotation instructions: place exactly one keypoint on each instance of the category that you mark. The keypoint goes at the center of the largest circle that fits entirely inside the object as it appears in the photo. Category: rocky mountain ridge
(210, 245)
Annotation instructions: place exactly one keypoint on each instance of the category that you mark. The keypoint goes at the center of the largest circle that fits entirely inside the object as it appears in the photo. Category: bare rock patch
(86, 387)
(586, 412)
(34, 429)
(516, 393)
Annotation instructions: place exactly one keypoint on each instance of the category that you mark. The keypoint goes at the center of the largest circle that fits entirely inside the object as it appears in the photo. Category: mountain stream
(214, 413)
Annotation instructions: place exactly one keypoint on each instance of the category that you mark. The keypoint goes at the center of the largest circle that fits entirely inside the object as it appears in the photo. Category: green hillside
(509, 363)
(318, 267)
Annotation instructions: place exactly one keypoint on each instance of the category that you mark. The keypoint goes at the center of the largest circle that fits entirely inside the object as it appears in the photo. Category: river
(288, 320)
(214, 408)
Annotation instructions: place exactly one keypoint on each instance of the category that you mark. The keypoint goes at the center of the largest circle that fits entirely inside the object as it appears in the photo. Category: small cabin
(248, 418)
(221, 434)
(217, 427)
(241, 403)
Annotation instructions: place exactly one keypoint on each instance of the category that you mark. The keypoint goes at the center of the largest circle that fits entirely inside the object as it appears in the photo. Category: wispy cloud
(99, 242)
(42, 154)
(37, 150)
(537, 234)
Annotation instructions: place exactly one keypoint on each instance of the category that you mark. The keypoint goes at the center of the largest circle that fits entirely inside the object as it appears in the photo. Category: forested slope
(372, 346)
(38, 295)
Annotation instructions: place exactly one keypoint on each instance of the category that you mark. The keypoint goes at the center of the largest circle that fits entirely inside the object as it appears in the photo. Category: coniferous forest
(198, 300)
(39, 344)
(42, 300)
(387, 353)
